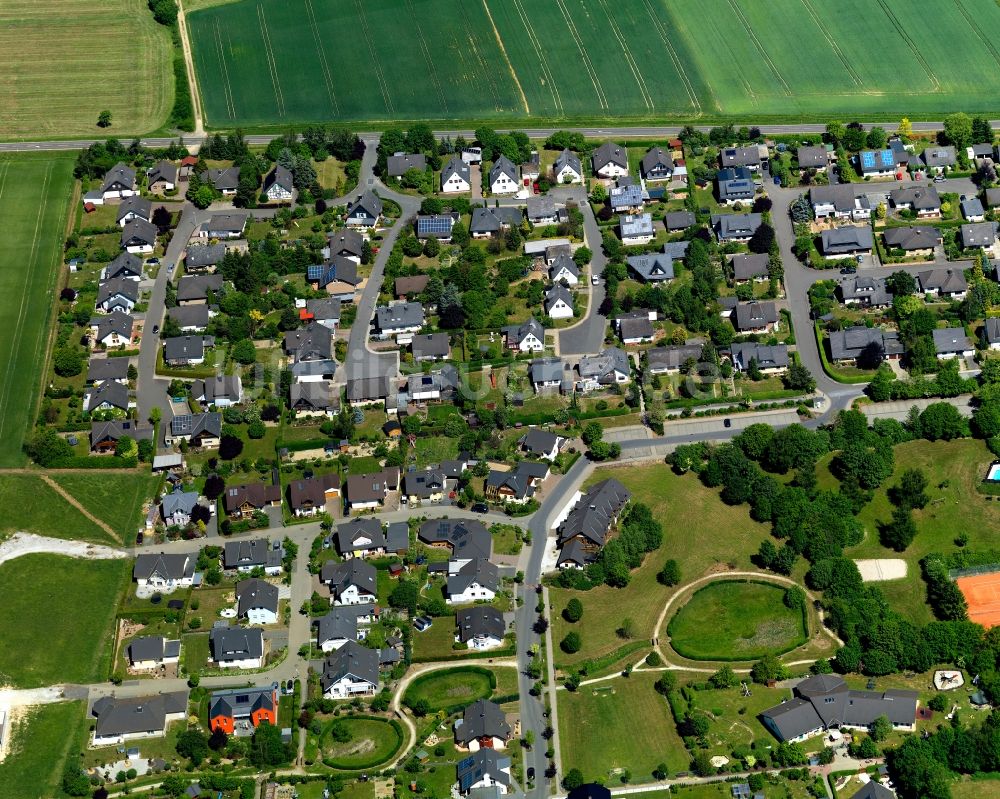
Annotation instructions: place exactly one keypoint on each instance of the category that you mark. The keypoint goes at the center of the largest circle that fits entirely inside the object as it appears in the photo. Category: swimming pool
(993, 475)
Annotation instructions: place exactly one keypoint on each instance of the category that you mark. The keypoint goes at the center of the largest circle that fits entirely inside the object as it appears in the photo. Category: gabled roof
(991, 330)
(254, 594)
(353, 661)
(111, 392)
(196, 424)
(656, 159)
(634, 225)
(398, 164)
(482, 719)
(399, 315)
(852, 342)
(610, 153)
(871, 290)
(940, 156)
(519, 480)
(592, 516)
(250, 553)
(740, 156)
(184, 348)
(750, 315)
(221, 386)
(369, 202)
(810, 157)
(728, 226)
(363, 389)
(169, 566)
(310, 343)
(479, 764)
(457, 166)
(873, 790)
(914, 237)
(341, 623)
(183, 501)
(557, 293)
(139, 206)
(518, 333)
(660, 358)
(541, 206)
(768, 356)
(842, 196)
(750, 265)
(279, 176)
(257, 495)
(920, 198)
(481, 621)
(563, 263)
(538, 442)
(101, 369)
(945, 281)
(950, 340)
(162, 170)
(114, 322)
(118, 287)
(546, 370)
(240, 703)
(492, 220)
(567, 158)
(431, 345)
(629, 196)
(115, 429)
(503, 166)
(148, 647)
(877, 160)
(319, 395)
(351, 532)
(226, 223)
(605, 363)
(978, 234)
(467, 538)
(119, 175)
(846, 239)
(236, 643)
(423, 484)
(478, 571)
(197, 287)
(309, 492)
(346, 241)
(736, 183)
(356, 572)
(125, 264)
(201, 256)
(324, 308)
(679, 220)
(227, 179)
(118, 716)
(339, 269)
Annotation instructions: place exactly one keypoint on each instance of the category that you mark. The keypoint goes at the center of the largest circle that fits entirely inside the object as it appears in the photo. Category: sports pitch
(281, 61)
(34, 201)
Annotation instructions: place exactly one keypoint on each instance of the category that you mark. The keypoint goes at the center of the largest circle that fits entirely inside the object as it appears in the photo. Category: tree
(766, 669)
(799, 378)
(835, 132)
(958, 130)
(592, 433)
(702, 765)
(762, 239)
(941, 420)
(666, 683)
(67, 362)
(982, 131)
(724, 678)
(911, 492)
(795, 597)
(74, 780)
(571, 643)
(104, 119)
(46, 447)
(573, 779)
(573, 611)
(244, 352)
(905, 129)
(670, 574)
(881, 729)
(901, 283)
(899, 533)
(267, 748)
(192, 744)
(405, 596)
(877, 138)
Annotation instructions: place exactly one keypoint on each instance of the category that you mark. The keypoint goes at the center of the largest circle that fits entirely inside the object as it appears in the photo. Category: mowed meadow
(62, 62)
(34, 201)
(279, 61)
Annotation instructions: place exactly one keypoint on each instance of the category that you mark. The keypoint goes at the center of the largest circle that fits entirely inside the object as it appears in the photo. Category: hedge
(95, 462)
(401, 737)
(602, 662)
(309, 443)
(830, 369)
(449, 709)
(461, 654)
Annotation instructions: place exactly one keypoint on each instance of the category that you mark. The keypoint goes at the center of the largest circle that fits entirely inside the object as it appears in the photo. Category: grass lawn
(443, 689)
(63, 93)
(40, 742)
(32, 506)
(372, 740)
(976, 787)
(748, 621)
(114, 497)
(329, 173)
(726, 537)
(34, 202)
(953, 470)
(600, 724)
(436, 642)
(364, 464)
(67, 603)
(435, 449)
(194, 652)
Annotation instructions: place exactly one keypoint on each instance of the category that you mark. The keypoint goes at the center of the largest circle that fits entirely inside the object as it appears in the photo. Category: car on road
(531, 772)
(422, 623)
(480, 507)
(156, 328)
(848, 270)
(595, 279)
(939, 178)
(727, 422)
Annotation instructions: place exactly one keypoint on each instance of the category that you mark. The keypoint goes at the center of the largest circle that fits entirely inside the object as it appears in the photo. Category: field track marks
(975, 29)
(76, 504)
(894, 21)
(379, 76)
(427, 55)
(510, 66)
(485, 68)
(833, 43)
(571, 27)
(760, 47)
(678, 64)
(29, 271)
(634, 67)
(323, 65)
(271, 63)
(227, 88)
(550, 80)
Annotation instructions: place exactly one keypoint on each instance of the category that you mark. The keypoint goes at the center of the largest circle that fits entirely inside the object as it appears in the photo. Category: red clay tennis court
(982, 593)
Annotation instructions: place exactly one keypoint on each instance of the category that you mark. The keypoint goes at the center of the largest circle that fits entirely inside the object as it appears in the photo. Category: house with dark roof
(104, 436)
(190, 318)
(203, 257)
(409, 286)
(813, 157)
(567, 168)
(119, 293)
(922, 200)
(352, 582)
(119, 182)
(950, 283)
(314, 398)
(184, 350)
(558, 302)
(679, 220)
(750, 267)
(399, 164)
(978, 234)
(134, 208)
(547, 374)
(480, 627)
(539, 443)
(256, 553)
(430, 347)
(541, 210)
(221, 391)
(125, 265)
(735, 227)
(164, 572)
(873, 790)
(610, 161)
(226, 181)
(475, 580)
(456, 176)
(324, 311)
(877, 163)
(669, 360)
(100, 370)
(658, 267)
(847, 241)
(912, 240)
(257, 601)
(869, 292)
(365, 212)
(152, 652)
(972, 209)
(771, 359)
(755, 317)
(484, 769)
(586, 527)
(938, 158)
(504, 177)
(308, 496)
(626, 198)
(245, 708)
(198, 429)
(529, 336)
(346, 243)
(244, 500)
(824, 701)
(749, 157)
(465, 538)
(177, 507)
(340, 626)
(517, 485)
(314, 342)
(339, 276)
(368, 390)
(223, 226)
(487, 222)
(735, 185)
(840, 201)
(237, 647)
(564, 270)
(352, 670)
(609, 367)
(197, 289)
(161, 177)
(278, 185)
(656, 165)
(400, 319)
(951, 342)
(113, 331)
(108, 396)
(483, 725)
(865, 346)
(121, 719)
(426, 486)
(991, 332)
(361, 537)
(435, 226)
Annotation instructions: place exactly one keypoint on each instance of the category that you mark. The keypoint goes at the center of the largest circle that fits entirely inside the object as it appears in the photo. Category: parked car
(939, 178)
(480, 507)
(727, 422)
(156, 328)
(139, 538)
(531, 772)
(595, 279)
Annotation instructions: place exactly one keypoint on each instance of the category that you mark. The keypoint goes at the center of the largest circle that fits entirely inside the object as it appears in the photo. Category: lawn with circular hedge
(450, 689)
(357, 742)
(736, 620)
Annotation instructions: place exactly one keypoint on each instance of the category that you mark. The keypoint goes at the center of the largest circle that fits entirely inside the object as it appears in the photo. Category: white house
(504, 177)
(257, 601)
(528, 336)
(121, 719)
(487, 769)
(278, 185)
(559, 302)
(567, 168)
(237, 647)
(119, 183)
(164, 572)
(352, 670)
(610, 161)
(112, 331)
(353, 582)
(636, 229)
(146, 653)
(480, 627)
(456, 176)
(476, 580)
(564, 270)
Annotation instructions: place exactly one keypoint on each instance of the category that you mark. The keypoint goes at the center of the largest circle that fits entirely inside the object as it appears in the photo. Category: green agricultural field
(114, 497)
(89, 57)
(599, 725)
(34, 198)
(748, 620)
(40, 742)
(32, 506)
(280, 61)
(56, 616)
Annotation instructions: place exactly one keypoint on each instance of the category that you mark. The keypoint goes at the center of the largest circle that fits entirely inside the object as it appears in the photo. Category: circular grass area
(732, 620)
(357, 742)
(451, 688)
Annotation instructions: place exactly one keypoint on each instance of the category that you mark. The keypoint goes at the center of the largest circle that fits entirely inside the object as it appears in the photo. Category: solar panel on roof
(868, 159)
(315, 272)
(434, 224)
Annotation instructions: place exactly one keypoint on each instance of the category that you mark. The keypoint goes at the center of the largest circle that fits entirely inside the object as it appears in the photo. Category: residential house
(362, 537)
(922, 200)
(465, 538)
(353, 582)
(542, 210)
(679, 220)
(586, 527)
(735, 227)
(202, 430)
(119, 293)
(397, 534)
(485, 769)
(848, 241)
(480, 627)
(242, 708)
(435, 226)
(487, 222)
(226, 181)
(813, 157)
(865, 346)
(869, 292)
(626, 197)
(125, 265)
(365, 212)
(278, 185)
(951, 342)
(426, 486)
(256, 553)
(337, 628)
(347, 244)
(991, 332)
(636, 229)
(980, 152)
(339, 276)
(197, 289)
(840, 201)
(938, 158)
(223, 226)
(750, 267)
(756, 317)
(324, 311)
(314, 398)
(119, 183)
(873, 790)
(398, 164)
(177, 507)
(164, 572)
(749, 157)
(456, 177)
(257, 601)
(313, 343)
(410, 286)
(401, 319)
(567, 168)
(134, 207)
(100, 370)
(636, 327)
(609, 367)
(978, 234)
(153, 651)
(190, 318)
(546, 374)
(972, 209)
(877, 163)
(483, 726)
(657, 165)
(610, 161)
(516, 486)
(504, 177)
(770, 359)
(735, 185)
(104, 436)
(950, 283)
(184, 350)
(540, 444)
(220, 391)
(529, 336)
(658, 267)
(564, 270)
(363, 391)
(476, 580)
(237, 647)
(203, 257)
(917, 240)
(670, 360)
(824, 701)
(430, 347)
(244, 500)
(113, 331)
(308, 496)
(352, 670)
(558, 302)
(161, 177)
(108, 396)
(121, 719)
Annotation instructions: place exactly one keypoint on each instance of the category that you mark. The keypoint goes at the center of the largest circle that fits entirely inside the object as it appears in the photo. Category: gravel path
(28, 543)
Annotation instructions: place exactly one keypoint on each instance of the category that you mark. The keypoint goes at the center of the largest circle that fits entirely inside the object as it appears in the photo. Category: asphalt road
(587, 337)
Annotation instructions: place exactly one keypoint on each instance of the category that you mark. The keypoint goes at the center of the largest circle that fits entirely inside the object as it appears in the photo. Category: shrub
(571, 643)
